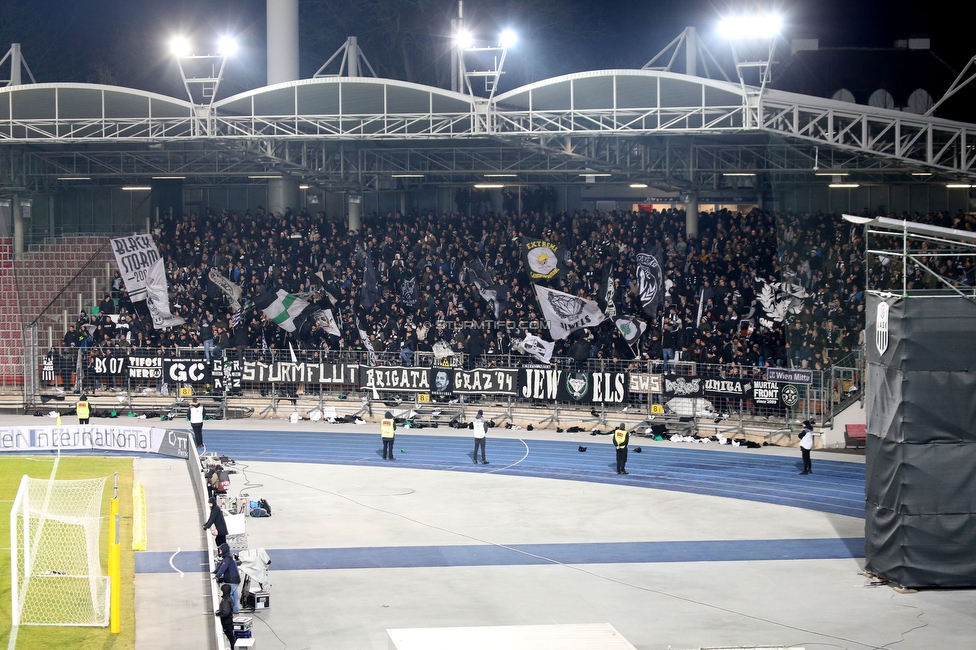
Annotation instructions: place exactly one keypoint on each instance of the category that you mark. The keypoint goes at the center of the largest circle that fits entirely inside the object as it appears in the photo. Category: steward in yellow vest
(620, 439)
(83, 409)
(387, 433)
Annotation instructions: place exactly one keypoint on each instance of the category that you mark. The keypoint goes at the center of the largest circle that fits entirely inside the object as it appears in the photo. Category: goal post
(56, 573)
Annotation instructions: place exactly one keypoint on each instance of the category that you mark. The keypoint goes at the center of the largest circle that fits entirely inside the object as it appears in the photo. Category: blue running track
(835, 487)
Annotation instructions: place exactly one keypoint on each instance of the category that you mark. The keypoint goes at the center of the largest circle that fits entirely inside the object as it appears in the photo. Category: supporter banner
(135, 255)
(567, 386)
(765, 393)
(787, 376)
(410, 380)
(227, 374)
(144, 275)
(717, 387)
(675, 386)
(642, 382)
(301, 373)
(96, 436)
(108, 365)
(486, 382)
(186, 371)
(145, 367)
(441, 381)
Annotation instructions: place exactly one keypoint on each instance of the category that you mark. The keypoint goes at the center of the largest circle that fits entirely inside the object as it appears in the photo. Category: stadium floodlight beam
(750, 26)
(507, 39)
(464, 39)
(179, 46)
(753, 32)
(227, 46)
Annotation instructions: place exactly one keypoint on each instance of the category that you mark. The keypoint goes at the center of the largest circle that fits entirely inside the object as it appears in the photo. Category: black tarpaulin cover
(920, 511)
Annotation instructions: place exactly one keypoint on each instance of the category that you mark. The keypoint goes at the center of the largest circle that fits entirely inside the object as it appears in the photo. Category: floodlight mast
(492, 74)
(17, 62)
(753, 28)
(201, 87)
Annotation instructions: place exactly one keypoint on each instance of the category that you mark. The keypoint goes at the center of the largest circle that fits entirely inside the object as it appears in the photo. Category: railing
(313, 377)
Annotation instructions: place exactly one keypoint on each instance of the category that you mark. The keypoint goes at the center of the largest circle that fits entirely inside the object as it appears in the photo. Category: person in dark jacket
(217, 521)
(225, 610)
(227, 573)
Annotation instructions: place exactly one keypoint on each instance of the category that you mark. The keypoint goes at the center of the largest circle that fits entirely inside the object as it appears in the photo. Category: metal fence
(237, 383)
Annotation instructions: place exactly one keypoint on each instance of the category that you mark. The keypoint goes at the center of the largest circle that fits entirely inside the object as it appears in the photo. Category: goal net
(56, 574)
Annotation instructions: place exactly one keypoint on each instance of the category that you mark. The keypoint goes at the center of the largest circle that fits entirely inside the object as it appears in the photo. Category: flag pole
(701, 305)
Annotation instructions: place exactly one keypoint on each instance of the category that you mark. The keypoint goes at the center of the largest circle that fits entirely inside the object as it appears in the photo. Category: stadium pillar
(283, 193)
(16, 61)
(17, 211)
(691, 216)
(282, 41)
(354, 205)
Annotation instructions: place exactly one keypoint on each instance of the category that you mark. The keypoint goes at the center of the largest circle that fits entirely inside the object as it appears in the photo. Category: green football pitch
(70, 467)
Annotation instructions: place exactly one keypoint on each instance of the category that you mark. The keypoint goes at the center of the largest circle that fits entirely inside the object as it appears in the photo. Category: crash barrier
(226, 381)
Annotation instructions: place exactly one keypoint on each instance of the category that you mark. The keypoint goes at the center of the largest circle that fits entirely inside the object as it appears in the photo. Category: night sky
(125, 42)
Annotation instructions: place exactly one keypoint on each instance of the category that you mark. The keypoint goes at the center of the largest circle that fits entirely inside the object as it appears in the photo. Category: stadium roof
(357, 132)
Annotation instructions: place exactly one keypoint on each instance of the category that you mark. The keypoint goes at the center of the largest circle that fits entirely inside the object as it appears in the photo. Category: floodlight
(227, 46)
(179, 46)
(750, 26)
(507, 39)
(464, 39)
(638, 186)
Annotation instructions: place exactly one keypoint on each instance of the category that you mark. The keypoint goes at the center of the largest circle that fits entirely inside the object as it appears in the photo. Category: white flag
(367, 345)
(157, 297)
(441, 351)
(230, 289)
(631, 328)
(538, 348)
(144, 274)
(565, 313)
(325, 320)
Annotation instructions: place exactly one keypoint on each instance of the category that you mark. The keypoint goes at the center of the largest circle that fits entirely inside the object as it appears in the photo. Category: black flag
(371, 292)
(494, 294)
(650, 278)
(408, 291)
(606, 293)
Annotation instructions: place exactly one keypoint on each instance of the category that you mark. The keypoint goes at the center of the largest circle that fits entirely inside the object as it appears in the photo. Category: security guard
(83, 409)
(387, 433)
(620, 439)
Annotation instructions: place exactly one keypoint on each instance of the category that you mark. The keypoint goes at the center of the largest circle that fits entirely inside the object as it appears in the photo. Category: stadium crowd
(720, 275)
